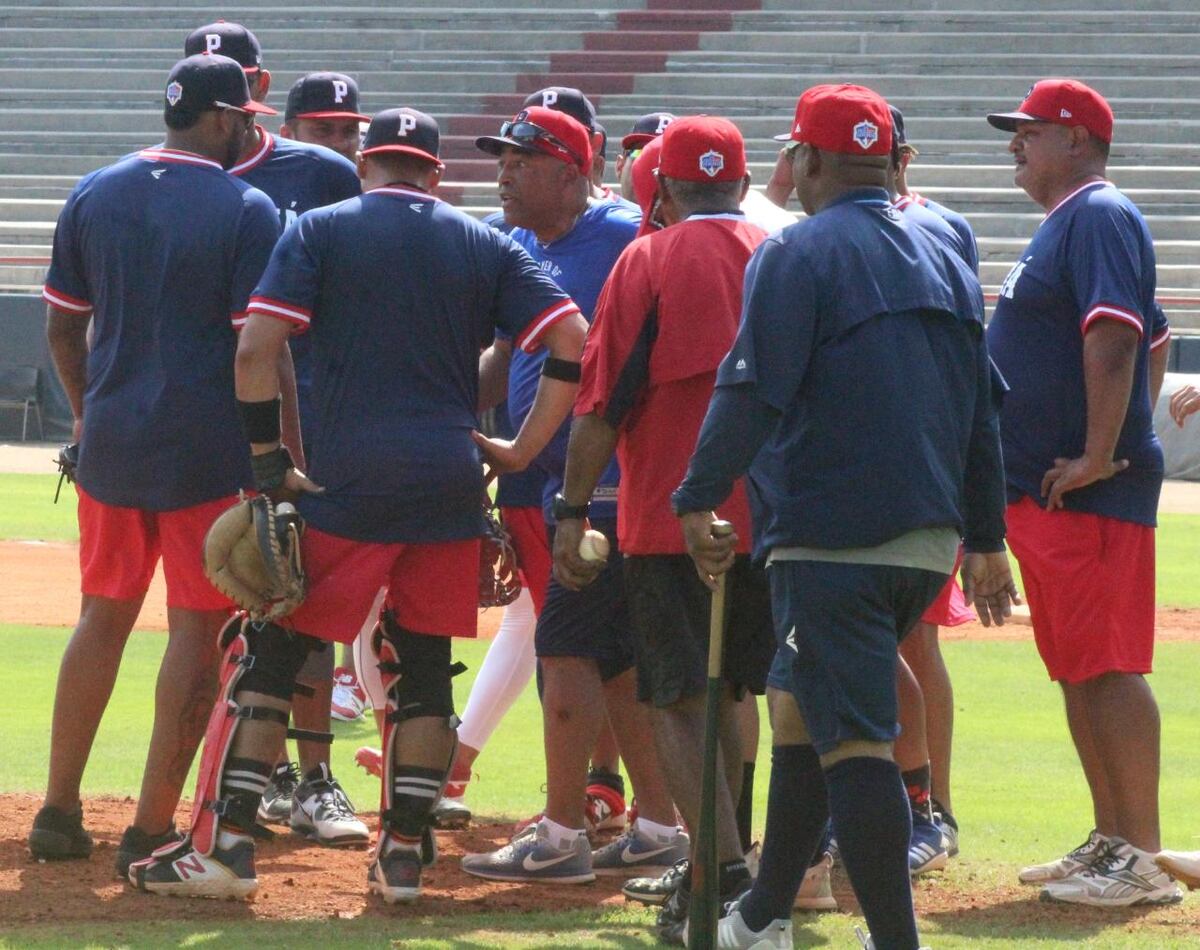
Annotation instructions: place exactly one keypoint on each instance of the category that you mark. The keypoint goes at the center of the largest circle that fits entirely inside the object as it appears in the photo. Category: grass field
(1019, 794)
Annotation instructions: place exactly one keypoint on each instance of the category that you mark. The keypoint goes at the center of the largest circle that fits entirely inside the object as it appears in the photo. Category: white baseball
(593, 546)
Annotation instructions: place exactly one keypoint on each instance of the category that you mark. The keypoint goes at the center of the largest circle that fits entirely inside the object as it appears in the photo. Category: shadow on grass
(1032, 918)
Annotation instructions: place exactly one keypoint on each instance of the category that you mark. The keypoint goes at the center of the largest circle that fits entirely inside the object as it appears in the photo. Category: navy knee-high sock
(797, 809)
(873, 822)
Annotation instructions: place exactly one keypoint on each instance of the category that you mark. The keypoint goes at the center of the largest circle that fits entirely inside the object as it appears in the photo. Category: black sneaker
(672, 917)
(136, 845)
(396, 874)
(58, 835)
(655, 890)
(276, 804)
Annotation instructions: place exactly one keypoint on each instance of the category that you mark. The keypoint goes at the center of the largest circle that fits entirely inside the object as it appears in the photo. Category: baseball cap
(842, 118)
(645, 128)
(538, 129)
(323, 96)
(599, 140)
(898, 136)
(207, 81)
(1062, 102)
(645, 175)
(228, 39)
(565, 99)
(405, 131)
(703, 148)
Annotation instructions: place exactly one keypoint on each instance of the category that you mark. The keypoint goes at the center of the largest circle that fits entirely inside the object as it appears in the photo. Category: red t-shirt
(664, 321)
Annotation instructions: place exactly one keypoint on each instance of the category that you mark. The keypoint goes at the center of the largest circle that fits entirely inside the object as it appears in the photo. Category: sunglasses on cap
(528, 133)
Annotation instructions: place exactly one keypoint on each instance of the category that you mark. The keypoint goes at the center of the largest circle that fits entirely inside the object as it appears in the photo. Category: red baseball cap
(1063, 102)
(538, 129)
(645, 174)
(843, 118)
(702, 148)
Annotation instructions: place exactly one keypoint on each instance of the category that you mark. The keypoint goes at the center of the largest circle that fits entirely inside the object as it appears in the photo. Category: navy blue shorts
(594, 622)
(837, 627)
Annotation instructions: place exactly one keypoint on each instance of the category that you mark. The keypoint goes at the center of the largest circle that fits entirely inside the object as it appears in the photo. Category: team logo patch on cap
(174, 93)
(711, 162)
(866, 134)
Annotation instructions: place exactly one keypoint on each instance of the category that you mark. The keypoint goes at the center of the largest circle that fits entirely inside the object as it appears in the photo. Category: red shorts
(950, 608)
(432, 588)
(1089, 581)
(120, 547)
(527, 527)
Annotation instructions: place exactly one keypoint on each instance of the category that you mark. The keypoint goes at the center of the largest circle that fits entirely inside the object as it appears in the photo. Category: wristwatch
(563, 511)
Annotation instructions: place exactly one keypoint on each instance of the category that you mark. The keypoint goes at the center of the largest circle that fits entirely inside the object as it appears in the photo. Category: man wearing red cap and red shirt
(854, 320)
(1072, 336)
(666, 317)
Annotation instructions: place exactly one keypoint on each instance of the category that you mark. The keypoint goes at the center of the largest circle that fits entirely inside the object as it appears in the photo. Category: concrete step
(941, 42)
(1007, 250)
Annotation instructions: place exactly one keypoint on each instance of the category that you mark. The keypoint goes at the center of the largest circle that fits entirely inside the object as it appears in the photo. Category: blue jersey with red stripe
(579, 262)
(961, 226)
(1091, 259)
(163, 249)
(400, 291)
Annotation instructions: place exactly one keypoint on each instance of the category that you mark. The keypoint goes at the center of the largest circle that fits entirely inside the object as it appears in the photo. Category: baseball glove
(252, 556)
(67, 462)
(499, 583)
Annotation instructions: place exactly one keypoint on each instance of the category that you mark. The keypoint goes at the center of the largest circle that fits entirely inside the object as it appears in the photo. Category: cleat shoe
(276, 804)
(1184, 866)
(635, 852)
(136, 845)
(370, 759)
(349, 698)
(673, 916)
(655, 890)
(58, 835)
(604, 808)
(449, 814)
(396, 874)
(532, 857)
(1072, 861)
(815, 892)
(1119, 876)
(949, 829)
(322, 813)
(733, 934)
(227, 873)
(926, 848)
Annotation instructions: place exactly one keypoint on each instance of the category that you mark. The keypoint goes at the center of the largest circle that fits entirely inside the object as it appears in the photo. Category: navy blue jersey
(163, 249)
(1090, 259)
(865, 332)
(961, 226)
(299, 177)
(940, 228)
(579, 262)
(400, 291)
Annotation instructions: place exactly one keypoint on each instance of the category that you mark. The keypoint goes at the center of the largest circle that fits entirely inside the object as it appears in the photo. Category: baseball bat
(706, 896)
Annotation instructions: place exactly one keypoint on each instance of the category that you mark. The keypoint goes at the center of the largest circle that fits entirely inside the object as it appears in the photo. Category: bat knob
(721, 529)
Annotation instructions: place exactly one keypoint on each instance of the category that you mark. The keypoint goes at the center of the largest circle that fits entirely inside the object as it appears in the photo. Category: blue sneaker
(637, 854)
(532, 857)
(927, 847)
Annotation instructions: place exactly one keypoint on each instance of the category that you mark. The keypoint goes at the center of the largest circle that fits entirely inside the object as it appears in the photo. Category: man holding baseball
(854, 321)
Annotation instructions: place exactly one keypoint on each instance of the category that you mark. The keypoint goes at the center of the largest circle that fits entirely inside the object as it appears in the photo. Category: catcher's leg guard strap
(274, 659)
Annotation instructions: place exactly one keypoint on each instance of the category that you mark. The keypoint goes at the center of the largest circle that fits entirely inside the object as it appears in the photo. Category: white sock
(560, 836)
(652, 829)
(505, 672)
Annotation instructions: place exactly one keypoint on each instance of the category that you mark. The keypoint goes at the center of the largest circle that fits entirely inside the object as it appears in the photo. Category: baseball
(593, 546)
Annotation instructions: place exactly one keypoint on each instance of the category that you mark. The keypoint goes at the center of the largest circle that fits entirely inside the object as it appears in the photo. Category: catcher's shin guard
(416, 672)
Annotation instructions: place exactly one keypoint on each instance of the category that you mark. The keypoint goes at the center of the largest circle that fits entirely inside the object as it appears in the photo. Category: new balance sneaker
(58, 835)
(136, 845)
(322, 813)
(1120, 876)
(604, 805)
(370, 759)
(635, 852)
(533, 857)
(276, 804)
(1184, 866)
(395, 874)
(1074, 860)
(734, 934)
(655, 890)
(816, 891)
(227, 873)
(349, 700)
(926, 848)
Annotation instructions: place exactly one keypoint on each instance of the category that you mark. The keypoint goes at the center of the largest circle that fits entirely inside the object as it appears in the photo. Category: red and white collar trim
(267, 147)
(402, 192)
(176, 155)
(902, 201)
(1101, 183)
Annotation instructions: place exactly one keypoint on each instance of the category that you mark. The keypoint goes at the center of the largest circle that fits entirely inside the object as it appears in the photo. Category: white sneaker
(815, 892)
(349, 700)
(733, 934)
(1184, 866)
(322, 812)
(1069, 863)
(1120, 876)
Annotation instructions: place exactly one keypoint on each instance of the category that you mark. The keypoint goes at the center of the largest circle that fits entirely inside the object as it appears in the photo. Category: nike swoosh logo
(629, 857)
(533, 864)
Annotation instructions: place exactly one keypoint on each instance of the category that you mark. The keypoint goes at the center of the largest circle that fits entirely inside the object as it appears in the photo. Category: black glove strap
(270, 468)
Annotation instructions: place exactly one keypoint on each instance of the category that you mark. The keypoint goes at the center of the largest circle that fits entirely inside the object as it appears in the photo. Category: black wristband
(260, 420)
(270, 468)
(562, 510)
(565, 370)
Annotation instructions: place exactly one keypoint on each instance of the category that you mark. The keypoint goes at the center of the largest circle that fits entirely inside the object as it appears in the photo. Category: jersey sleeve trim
(280, 310)
(1104, 311)
(1160, 338)
(531, 337)
(65, 301)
